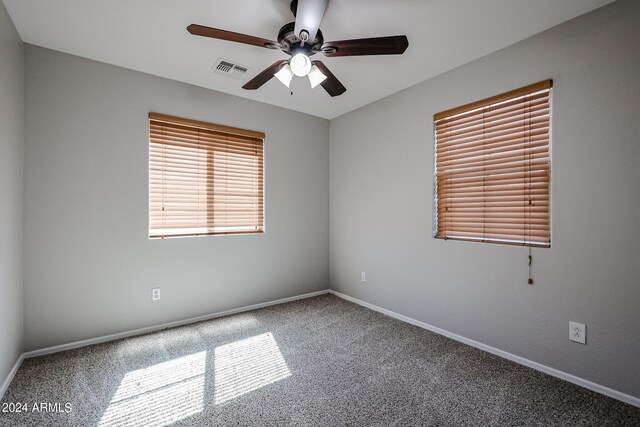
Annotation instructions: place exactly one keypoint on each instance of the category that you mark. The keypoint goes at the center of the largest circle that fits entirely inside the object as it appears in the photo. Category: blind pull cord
(530, 281)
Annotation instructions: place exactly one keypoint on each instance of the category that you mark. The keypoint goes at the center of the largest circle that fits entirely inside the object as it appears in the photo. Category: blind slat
(497, 101)
(483, 124)
(179, 122)
(534, 103)
(537, 137)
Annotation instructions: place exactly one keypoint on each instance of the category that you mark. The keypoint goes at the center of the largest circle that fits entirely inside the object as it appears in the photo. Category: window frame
(545, 85)
(222, 129)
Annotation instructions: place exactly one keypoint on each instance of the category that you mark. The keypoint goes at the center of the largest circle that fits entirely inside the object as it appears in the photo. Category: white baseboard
(119, 335)
(521, 360)
(112, 337)
(12, 373)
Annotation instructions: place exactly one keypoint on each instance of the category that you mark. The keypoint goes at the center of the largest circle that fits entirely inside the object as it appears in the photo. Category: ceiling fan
(301, 40)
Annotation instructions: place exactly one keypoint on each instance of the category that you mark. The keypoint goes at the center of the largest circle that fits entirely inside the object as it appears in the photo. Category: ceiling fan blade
(392, 45)
(309, 14)
(264, 76)
(331, 84)
(215, 33)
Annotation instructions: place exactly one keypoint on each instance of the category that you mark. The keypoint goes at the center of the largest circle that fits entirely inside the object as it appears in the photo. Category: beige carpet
(316, 362)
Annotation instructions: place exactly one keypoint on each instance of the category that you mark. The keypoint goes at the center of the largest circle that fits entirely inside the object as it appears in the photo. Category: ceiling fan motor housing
(291, 44)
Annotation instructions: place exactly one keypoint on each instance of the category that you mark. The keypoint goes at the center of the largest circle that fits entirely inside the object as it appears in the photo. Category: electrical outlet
(155, 294)
(363, 277)
(578, 332)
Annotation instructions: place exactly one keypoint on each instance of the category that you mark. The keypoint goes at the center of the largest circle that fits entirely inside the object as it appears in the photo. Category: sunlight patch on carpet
(159, 395)
(247, 365)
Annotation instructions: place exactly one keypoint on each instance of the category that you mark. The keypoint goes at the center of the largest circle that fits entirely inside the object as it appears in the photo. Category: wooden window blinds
(204, 179)
(492, 169)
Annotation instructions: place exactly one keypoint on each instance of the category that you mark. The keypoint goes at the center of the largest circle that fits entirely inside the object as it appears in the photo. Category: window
(492, 169)
(204, 179)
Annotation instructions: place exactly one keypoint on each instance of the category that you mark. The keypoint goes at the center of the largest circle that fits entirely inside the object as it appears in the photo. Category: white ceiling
(151, 36)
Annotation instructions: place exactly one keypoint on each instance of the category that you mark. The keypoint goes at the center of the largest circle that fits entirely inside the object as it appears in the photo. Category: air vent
(229, 69)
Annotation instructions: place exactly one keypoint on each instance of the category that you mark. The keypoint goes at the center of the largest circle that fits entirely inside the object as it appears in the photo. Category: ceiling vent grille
(229, 69)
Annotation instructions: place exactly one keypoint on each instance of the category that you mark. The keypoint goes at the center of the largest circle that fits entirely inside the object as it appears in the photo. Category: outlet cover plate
(155, 294)
(578, 332)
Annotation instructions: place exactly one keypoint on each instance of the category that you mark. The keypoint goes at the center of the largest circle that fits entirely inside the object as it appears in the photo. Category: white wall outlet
(578, 332)
(363, 277)
(155, 294)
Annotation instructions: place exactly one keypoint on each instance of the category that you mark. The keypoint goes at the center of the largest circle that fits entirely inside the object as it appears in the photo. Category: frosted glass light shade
(285, 75)
(316, 77)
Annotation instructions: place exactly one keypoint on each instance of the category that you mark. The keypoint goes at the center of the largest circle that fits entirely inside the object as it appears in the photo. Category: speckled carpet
(316, 362)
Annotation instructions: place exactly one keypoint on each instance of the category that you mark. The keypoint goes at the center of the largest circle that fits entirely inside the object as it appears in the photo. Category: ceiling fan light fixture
(316, 77)
(285, 75)
(300, 64)
(302, 39)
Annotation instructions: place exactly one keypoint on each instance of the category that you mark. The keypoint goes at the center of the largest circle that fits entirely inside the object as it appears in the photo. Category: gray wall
(89, 265)
(11, 302)
(381, 176)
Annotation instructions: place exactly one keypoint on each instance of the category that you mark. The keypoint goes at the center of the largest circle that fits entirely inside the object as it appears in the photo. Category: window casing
(204, 179)
(493, 169)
